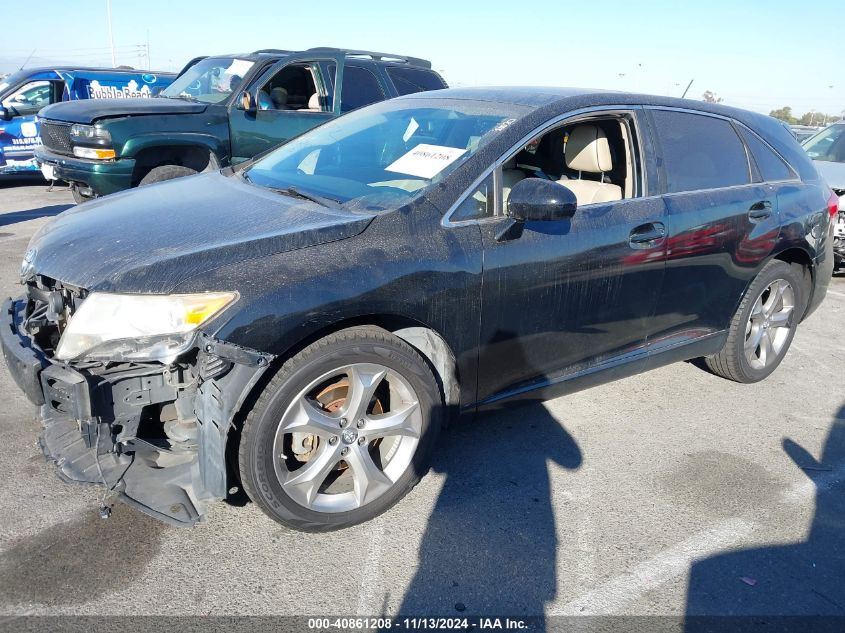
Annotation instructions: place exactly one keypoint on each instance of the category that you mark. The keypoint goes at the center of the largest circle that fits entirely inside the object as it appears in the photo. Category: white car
(827, 149)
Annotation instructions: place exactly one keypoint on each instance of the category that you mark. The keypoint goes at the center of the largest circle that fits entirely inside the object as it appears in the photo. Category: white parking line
(368, 598)
(613, 595)
(838, 294)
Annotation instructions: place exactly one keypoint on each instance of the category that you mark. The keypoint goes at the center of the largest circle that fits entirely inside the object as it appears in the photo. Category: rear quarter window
(772, 167)
(699, 152)
(409, 80)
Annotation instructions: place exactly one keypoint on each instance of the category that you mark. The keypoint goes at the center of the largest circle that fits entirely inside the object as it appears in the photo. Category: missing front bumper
(97, 419)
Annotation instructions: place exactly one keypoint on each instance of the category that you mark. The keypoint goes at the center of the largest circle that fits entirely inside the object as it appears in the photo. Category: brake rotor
(331, 399)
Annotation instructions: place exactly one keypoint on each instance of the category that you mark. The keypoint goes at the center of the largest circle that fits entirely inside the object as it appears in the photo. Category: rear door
(286, 105)
(722, 225)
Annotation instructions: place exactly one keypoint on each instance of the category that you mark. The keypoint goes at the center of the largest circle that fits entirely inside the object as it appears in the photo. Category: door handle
(647, 235)
(760, 210)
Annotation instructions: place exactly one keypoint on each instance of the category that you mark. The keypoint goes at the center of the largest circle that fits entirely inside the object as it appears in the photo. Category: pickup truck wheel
(165, 172)
(763, 326)
(342, 432)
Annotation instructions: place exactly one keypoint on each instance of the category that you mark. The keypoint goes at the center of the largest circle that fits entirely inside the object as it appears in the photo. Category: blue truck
(24, 93)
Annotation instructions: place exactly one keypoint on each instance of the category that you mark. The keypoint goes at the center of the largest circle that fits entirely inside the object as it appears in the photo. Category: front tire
(764, 324)
(342, 432)
(165, 172)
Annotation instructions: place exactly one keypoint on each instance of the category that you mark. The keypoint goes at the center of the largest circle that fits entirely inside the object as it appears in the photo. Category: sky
(755, 54)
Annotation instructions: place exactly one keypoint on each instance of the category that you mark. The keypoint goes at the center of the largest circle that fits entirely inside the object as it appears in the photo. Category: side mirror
(246, 103)
(5, 114)
(540, 199)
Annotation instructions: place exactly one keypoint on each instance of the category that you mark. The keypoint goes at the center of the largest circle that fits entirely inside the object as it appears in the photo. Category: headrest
(279, 96)
(314, 102)
(588, 150)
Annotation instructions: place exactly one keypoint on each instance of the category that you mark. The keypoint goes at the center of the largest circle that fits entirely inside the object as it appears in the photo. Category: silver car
(827, 149)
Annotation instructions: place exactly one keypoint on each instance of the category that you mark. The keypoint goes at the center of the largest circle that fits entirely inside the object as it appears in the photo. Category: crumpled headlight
(138, 327)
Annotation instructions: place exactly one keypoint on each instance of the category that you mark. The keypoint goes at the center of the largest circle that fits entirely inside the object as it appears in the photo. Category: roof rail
(385, 57)
(280, 51)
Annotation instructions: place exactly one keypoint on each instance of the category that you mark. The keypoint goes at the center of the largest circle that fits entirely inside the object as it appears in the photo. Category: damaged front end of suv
(133, 396)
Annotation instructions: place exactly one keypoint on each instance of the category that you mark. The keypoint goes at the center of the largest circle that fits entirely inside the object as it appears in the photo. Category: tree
(711, 97)
(784, 114)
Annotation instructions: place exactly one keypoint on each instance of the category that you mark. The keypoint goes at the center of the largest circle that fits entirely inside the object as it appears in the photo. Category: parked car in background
(827, 149)
(803, 132)
(302, 324)
(220, 111)
(26, 92)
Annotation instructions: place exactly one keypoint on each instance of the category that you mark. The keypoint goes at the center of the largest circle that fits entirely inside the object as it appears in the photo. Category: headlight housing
(90, 133)
(126, 327)
(96, 142)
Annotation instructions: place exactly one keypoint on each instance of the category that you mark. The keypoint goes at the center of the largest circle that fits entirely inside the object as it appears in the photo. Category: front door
(19, 135)
(289, 98)
(568, 296)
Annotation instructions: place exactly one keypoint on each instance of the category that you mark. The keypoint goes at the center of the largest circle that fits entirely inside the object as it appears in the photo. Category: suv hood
(150, 239)
(90, 110)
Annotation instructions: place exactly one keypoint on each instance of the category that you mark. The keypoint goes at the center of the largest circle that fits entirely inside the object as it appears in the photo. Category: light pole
(111, 35)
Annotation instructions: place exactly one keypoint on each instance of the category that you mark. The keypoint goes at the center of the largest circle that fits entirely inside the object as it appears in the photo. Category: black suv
(219, 111)
(303, 324)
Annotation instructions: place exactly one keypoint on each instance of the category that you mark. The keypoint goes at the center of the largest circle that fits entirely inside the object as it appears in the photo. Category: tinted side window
(408, 80)
(700, 152)
(771, 166)
(360, 87)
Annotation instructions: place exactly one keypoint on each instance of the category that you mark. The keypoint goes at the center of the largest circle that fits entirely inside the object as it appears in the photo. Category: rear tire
(165, 172)
(764, 325)
(342, 432)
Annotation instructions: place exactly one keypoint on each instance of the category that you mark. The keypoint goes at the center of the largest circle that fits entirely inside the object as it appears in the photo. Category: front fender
(135, 145)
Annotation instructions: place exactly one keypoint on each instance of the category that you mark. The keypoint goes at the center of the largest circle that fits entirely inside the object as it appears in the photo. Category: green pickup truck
(219, 111)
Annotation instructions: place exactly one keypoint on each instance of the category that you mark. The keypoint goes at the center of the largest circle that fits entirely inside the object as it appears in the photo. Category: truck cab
(25, 93)
(219, 111)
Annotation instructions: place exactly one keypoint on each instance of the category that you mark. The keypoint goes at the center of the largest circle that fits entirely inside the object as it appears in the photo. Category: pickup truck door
(269, 123)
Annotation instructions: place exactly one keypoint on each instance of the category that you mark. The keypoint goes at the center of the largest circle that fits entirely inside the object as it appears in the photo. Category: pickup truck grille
(56, 136)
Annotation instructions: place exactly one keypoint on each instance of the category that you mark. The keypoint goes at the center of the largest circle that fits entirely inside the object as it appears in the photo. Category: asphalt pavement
(673, 492)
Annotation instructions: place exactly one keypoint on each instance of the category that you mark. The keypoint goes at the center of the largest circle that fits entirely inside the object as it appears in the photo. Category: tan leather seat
(587, 150)
(509, 178)
(313, 104)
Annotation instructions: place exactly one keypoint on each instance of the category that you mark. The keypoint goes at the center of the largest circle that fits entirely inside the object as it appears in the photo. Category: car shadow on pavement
(799, 579)
(32, 214)
(490, 545)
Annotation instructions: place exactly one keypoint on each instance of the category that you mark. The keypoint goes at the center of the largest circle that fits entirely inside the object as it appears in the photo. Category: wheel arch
(798, 256)
(196, 154)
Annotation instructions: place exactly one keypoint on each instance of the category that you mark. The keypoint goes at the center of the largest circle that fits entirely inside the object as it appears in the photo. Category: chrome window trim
(542, 129)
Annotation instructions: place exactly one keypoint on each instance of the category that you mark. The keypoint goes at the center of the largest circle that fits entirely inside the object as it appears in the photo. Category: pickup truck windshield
(384, 154)
(211, 80)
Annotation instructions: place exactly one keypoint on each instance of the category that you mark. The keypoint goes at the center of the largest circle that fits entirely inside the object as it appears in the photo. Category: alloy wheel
(769, 324)
(347, 437)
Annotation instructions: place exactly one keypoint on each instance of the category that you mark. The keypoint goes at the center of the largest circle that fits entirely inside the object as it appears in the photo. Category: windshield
(385, 154)
(828, 145)
(210, 80)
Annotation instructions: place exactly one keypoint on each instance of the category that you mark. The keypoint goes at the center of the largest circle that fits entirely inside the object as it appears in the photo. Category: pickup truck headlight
(138, 327)
(91, 135)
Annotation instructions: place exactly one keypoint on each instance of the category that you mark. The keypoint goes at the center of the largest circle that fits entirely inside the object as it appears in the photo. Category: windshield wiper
(293, 192)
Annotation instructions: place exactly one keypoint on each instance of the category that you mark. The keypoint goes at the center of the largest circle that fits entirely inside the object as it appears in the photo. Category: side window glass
(30, 98)
(771, 166)
(292, 88)
(479, 204)
(360, 88)
(700, 152)
(409, 80)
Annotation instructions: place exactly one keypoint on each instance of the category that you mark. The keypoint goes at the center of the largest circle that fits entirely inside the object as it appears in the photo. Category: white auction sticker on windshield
(426, 161)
